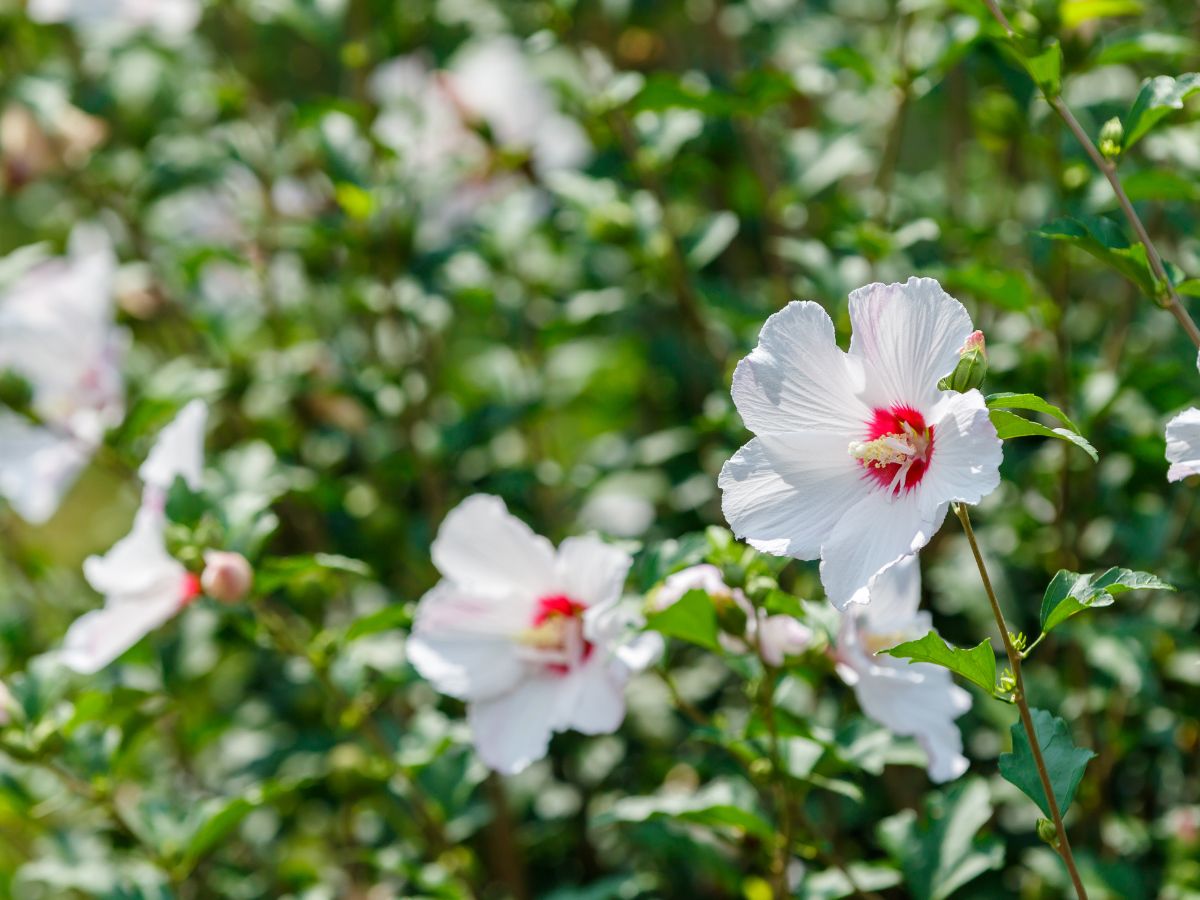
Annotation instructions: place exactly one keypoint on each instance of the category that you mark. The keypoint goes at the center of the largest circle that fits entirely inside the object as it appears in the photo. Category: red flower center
(898, 448)
(557, 633)
(190, 589)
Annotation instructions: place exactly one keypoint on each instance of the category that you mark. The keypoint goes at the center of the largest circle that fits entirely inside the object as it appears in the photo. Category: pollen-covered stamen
(897, 449)
(555, 638)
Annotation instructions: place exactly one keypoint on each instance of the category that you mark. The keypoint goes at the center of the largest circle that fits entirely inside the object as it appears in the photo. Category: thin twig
(1171, 300)
(1014, 662)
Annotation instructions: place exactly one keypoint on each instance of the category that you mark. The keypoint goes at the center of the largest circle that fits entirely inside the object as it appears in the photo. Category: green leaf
(1076, 12)
(977, 665)
(857, 877)
(1105, 240)
(1010, 425)
(1064, 761)
(1045, 68)
(388, 618)
(721, 805)
(943, 852)
(291, 571)
(713, 238)
(1031, 402)
(1155, 100)
(185, 506)
(1070, 592)
(691, 618)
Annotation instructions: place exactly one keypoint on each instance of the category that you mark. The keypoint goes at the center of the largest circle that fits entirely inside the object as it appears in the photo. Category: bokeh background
(415, 250)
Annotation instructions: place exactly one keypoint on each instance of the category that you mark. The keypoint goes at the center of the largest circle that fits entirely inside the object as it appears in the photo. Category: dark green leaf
(1070, 592)
(977, 665)
(1104, 239)
(691, 618)
(1064, 761)
(942, 853)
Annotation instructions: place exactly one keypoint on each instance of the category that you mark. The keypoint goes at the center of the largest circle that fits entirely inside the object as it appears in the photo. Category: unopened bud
(1112, 138)
(972, 366)
(227, 576)
(1047, 832)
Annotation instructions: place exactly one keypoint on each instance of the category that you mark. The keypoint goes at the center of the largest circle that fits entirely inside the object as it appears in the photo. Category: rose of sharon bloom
(1183, 444)
(776, 637)
(858, 454)
(919, 700)
(169, 19)
(57, 333)
(490, 80)
(143, 586)
(532, 639)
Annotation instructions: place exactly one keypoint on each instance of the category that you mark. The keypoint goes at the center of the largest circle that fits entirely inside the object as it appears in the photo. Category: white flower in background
(858, 454)
(57, 333)
(168, 19)
(491, 81)
(532, 639)
(143, 586)
(1183, 444)
(918, 700)
(776, 637)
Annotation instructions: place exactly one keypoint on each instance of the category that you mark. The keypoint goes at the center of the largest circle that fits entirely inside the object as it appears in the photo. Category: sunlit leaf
(1069, 592)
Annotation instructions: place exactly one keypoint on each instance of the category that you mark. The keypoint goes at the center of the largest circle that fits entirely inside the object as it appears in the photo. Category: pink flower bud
(227, 576)
(974, 341)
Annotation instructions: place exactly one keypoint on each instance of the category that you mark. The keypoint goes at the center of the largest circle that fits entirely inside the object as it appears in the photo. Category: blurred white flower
(776, 637)
(143, 586)
(858, 455)
(919, 700)
(168, 19)
(1183, 443)
(533, 639)
(57, 333)
(433, 120)
(492, 82)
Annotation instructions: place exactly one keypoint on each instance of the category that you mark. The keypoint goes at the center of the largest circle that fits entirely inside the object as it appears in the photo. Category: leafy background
(570, 348)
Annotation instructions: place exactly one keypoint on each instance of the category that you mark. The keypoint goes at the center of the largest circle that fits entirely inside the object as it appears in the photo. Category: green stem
(1014, 662)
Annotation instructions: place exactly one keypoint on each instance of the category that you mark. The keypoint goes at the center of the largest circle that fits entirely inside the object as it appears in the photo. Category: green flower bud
(1047, 832)
(730, 616)
(971, 368)
(1112, 138)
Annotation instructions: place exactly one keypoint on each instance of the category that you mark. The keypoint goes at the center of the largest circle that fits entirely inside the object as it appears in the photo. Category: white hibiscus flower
(1183, 443)
(532, 639)
(858, 454)
(143, 586)
(57, 333)
(919, 700)
(776, 637)
(118, 19)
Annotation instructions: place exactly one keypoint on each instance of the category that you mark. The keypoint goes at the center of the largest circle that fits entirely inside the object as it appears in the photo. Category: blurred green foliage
(568, 344)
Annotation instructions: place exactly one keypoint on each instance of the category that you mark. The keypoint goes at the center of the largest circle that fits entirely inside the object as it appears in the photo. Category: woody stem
(1014, 662)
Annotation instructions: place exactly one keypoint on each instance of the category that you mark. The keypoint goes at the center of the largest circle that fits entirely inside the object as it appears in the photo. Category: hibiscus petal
(512, 730)
(137, 563)
(178, 451)
(97, 638)
(590, 571)
(895, 598)
(481, 546)
(597, 703)
(1183, 445)
(922, 704)
(463, 644)
(872, 535)
(37, 467)
(784, 493)
(907, 336)
(967, 452)
(797, 378)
